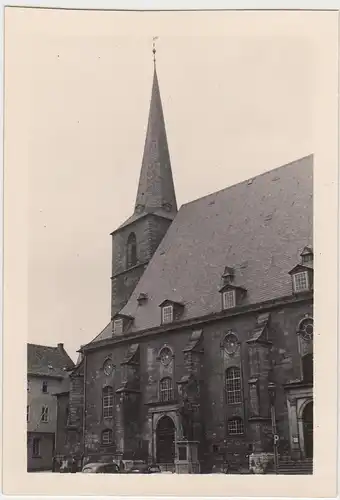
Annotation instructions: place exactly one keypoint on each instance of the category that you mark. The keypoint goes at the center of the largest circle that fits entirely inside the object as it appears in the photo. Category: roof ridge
(43, 345)
(267, 172)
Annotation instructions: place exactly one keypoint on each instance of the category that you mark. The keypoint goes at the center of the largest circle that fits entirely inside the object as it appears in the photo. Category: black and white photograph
(170, 241)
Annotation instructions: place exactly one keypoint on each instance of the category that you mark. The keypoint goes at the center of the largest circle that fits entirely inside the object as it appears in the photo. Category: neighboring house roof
(48, 361)
(257, 227)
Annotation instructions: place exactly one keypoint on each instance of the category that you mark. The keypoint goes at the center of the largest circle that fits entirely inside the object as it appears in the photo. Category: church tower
(135, 241)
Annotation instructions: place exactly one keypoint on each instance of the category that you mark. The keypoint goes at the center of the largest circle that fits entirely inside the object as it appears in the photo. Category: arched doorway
(307, 419)
(165, 440)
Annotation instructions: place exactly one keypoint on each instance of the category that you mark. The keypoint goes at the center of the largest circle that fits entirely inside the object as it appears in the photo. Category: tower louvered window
(131, 251)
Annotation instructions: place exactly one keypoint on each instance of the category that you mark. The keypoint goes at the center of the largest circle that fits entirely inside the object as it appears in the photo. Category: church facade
(210, 340)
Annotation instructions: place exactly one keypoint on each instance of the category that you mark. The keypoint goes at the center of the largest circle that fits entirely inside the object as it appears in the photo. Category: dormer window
(229, 299)
(300, 282)
(118, 326)
(307, 256)
(171, 311)
(228, 275)
(302, 273)
(232, 295)
(121, 323)
(167, 314)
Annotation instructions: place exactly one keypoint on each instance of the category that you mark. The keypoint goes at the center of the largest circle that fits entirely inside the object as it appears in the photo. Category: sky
(237, 101)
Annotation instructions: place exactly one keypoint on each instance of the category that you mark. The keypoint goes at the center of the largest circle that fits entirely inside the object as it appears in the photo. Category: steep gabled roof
(48, 361)
(259, 227)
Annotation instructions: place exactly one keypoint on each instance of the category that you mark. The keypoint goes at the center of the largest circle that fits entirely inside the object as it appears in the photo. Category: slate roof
(155, 193)
(258, 227)
(47, 361)
(106, 333)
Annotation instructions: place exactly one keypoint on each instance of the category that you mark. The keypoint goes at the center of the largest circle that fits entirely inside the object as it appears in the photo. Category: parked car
(101, 468)
(140, 468)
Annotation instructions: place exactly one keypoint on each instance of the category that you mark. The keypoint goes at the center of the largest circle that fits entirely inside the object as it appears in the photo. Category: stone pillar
(295, 446)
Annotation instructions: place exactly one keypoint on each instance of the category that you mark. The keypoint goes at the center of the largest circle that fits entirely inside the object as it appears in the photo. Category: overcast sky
(236, 103)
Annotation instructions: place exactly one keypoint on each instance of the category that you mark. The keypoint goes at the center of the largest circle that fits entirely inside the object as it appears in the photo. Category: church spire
(156, 191)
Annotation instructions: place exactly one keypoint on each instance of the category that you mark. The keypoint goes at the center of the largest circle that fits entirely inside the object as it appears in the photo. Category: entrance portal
(307, 418)
(165, 441)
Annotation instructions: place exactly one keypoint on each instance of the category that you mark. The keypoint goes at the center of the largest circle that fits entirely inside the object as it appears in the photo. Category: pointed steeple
(156, 191)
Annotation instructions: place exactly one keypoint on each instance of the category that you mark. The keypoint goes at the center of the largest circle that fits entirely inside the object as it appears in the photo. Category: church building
(208, 354)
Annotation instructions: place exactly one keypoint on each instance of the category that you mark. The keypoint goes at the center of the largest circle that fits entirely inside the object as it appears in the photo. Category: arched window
(131, 250)
(307, 368)
(230, 343)
(233, 385)
(107, 436)
(165, 356)
(306, 329)
(107, 402)
(235, 426)
(165, 389)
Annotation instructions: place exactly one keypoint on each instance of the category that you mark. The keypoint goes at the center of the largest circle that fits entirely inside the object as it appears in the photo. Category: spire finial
(154, 48)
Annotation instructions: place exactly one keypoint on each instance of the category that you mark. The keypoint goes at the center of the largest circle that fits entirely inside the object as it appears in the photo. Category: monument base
(186, 461)
(260, 461)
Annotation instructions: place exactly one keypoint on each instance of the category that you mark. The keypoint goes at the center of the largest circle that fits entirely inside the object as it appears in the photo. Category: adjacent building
(46, 375)
(208, 355)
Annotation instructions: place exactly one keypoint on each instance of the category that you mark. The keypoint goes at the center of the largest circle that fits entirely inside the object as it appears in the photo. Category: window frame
(302, 331)
(118, 329)
(107, 362)
(306, 278)
(107, 402)
(171, 354)
(44, 418)
(236, 420)
(229, 293)
(229, 335)
(307, 368)
(168, 309)
(166, 393)
(44, 387)
(233, 386)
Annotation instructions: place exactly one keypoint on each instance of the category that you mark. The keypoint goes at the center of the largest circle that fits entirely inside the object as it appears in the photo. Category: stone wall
(149, 232)
(279, 357)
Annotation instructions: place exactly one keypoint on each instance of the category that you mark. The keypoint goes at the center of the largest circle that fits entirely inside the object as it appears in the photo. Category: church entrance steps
(301, 467)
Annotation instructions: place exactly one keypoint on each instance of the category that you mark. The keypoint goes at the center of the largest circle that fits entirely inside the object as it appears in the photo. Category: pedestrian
(74, 465)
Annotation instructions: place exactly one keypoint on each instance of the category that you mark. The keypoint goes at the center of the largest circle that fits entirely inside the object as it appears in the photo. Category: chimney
(61, 346)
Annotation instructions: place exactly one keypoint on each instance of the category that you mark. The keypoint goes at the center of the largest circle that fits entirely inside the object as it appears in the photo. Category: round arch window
(108, 367)
(306, 329)
(230, 343)
(165, 356)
